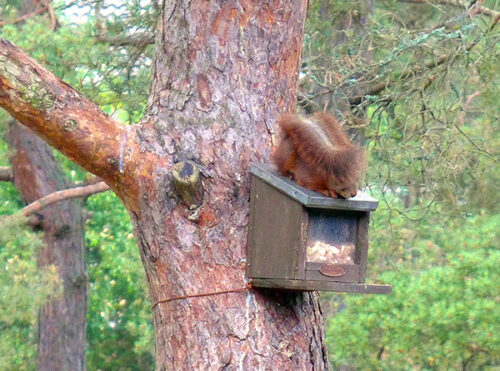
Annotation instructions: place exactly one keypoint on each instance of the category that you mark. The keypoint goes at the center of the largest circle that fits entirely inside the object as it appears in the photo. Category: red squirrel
(317, 154)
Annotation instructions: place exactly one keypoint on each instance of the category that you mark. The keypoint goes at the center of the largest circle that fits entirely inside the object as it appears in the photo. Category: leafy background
(416, 83)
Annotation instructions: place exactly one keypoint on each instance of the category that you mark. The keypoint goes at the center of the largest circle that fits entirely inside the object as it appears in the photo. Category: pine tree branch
(357, 93)
(25, 17)
(380, 85)
(63, 117)
(139, 40)
(475, 8)
(66, 194)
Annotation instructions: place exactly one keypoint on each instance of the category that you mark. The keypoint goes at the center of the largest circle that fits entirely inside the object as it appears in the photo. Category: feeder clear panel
(332, 239)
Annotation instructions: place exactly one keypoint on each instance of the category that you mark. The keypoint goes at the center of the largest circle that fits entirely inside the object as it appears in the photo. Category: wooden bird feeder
(302, 240)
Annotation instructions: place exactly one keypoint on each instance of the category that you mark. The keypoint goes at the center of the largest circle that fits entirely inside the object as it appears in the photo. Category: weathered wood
(361, 256)
(276, 234)
(351, 273)
(308, 198)
(281, 239)
(308, 285)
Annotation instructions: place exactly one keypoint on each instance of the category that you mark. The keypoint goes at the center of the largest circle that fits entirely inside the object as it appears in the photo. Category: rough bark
(59, 114)
(62, 320)
(72, 124)
(223, 71)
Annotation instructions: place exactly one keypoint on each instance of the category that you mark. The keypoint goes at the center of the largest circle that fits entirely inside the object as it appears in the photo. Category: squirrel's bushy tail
(323, 145)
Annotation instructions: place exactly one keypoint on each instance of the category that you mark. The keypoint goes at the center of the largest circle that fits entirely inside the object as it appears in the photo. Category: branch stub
(187, 182)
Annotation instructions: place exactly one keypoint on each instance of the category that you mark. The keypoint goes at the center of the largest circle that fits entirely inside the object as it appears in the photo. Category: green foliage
(443, 313)
(433, 140)
(25, 288)
(120, 332)
(116, 78)
(119, 328)
(427, 81)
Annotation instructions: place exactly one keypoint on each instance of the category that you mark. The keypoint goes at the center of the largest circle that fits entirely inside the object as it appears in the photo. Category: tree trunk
(62, 320)
(222, 73)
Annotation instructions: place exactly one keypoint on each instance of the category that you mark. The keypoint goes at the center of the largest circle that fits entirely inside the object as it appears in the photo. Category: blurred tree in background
(87, 44)
(24, 287)
(416, 81)
(424, 76)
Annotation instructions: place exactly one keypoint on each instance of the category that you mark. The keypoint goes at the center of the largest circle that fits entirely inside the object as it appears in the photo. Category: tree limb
(60, 115)
(357, 93)
(139, 40)
(5, 174)
(476, 8)
(25, 17)
(381, 85)
(53, 17)
(66, 194)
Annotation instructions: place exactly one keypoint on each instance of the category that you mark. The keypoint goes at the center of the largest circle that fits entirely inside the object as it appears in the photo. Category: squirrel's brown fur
(317, 154)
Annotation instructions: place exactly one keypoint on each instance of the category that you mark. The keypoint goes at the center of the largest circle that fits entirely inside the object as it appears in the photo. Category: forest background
(416, 82)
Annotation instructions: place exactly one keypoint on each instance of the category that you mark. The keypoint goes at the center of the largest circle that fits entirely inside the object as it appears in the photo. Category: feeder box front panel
(337, 245)
(299, 239)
